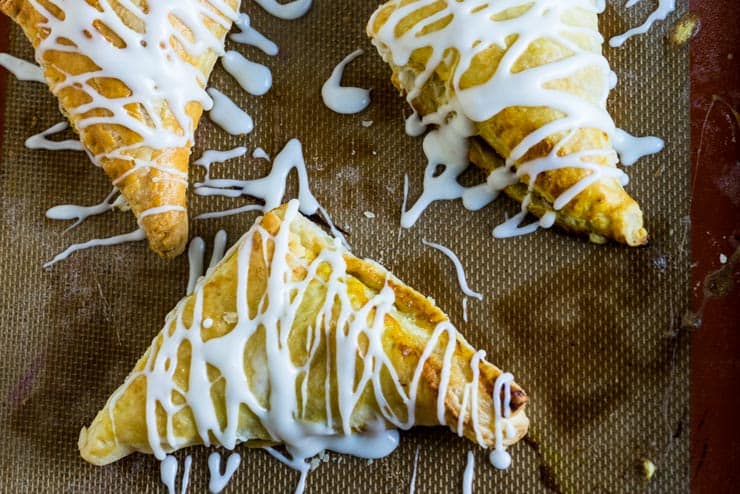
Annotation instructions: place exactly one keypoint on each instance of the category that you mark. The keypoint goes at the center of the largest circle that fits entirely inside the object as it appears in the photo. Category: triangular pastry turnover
(524, 80)
(291, 340)
(130, 76)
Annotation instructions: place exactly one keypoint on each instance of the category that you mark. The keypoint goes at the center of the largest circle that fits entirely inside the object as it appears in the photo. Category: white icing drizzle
(405, 200)
(217, 481)
(168, 473)
(21, 69)
(665, 7)
(469, 474)
(81, 213)
(287, 380)
(445, 147)
(252, 37)
(461, 279)
(40, 141)
(470, 31)
(260, 153)
(186, 474)
(196, 252)
(161, 81)
(133, 236)
(253, 77)
(288, 11)
(412, 486)
(342, 99)
(196, 256)
(499, 457)
(631, 148)
(219, 247)
(227, 114)
(270, 189)
(414, 126)
(465, 308)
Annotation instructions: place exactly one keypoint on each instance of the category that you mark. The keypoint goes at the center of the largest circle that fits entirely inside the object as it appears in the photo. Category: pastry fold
(603, 210)
(342, 319)
(150, 173)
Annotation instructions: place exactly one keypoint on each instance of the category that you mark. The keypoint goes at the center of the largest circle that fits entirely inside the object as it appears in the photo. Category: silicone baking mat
(591, 332)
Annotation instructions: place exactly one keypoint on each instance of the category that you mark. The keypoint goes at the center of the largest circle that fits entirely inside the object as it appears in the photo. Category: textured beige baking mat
(589, 331)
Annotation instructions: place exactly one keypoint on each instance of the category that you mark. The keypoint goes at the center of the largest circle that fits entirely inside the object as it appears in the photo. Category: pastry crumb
(648, 469)
(369, 214)
(684, 29)
(230, 317)
(367, 123)
(375, 153)
(723, 259)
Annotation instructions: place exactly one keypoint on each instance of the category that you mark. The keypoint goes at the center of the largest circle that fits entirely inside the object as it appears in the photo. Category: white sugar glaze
(281, 418)
(168, 474)
(250, 36)
(288, 10)
(631, 148)
(471, 30)
(227, 114)
(260, 154)
(196, 252)
(21, 69)
(217, 481)
(133, 236)
(81, 213)
(219, 248)
(412, 484)
(162, 81)
(665, 7)
(270, 189)
(468, 474)
(253, 77)
(40, 141)
(196, 256)
(459, 270)
(342, 99)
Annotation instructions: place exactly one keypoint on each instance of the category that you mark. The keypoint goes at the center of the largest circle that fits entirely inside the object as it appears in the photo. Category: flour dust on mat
(470, 31)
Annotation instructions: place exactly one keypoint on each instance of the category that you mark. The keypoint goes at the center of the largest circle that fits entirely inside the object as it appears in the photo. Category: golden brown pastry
(292, 340)
(531, 84)
(130, 77)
